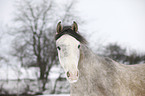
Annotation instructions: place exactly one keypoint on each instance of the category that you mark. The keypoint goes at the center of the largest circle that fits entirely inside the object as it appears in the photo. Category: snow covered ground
(15, 72)
(56, 95)
(28, 80)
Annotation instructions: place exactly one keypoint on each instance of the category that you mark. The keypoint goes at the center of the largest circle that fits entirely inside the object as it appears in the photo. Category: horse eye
(58, 48)
(78, 46)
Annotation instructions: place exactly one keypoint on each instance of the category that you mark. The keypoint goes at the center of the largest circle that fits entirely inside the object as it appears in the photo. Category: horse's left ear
(75, 26)
(59, 27)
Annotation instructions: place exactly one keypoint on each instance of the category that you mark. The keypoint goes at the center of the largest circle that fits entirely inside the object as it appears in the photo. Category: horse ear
(59, 27)
(75, 26)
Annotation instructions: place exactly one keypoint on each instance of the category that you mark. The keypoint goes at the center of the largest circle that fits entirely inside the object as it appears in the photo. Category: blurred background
(29, 64)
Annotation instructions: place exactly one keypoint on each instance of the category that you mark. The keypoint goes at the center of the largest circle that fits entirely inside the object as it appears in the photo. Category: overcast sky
(121, 21)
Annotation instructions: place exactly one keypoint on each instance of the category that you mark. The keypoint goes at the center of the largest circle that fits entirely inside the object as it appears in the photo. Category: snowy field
(55, 95)
(28, 81)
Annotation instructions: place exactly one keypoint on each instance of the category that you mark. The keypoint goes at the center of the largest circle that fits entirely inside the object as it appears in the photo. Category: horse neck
(87, 57)
(94, 64)
(95, 70)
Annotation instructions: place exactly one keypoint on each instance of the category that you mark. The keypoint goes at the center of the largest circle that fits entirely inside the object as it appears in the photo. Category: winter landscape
(29, 64)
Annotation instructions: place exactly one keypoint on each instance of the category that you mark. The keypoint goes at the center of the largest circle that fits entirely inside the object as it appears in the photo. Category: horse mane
(69, 31)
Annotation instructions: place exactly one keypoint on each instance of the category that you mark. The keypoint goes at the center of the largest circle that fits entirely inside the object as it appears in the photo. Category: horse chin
(72, 81)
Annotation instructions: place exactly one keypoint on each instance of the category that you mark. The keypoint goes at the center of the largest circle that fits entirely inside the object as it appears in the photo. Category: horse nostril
(77, 73)
(68, 74)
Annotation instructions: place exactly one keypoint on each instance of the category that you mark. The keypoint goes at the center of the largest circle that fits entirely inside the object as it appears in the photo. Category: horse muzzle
(72, 76)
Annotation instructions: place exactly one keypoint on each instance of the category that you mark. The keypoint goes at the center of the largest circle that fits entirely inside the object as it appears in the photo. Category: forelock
(69, 31)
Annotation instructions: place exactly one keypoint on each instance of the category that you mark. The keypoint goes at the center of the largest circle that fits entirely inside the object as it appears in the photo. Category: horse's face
(69, 53)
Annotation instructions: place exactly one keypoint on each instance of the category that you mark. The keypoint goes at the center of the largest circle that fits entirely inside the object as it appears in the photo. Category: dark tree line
(121, 55)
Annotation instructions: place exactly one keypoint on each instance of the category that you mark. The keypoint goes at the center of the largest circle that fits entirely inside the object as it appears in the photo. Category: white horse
(92, 75)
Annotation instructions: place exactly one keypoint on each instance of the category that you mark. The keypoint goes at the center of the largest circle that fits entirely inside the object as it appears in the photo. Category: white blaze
(69, 53)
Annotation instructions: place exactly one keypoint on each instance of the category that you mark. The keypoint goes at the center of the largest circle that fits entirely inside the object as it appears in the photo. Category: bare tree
(135, 57)
(3, 59)
(1, 33)
(34, 42)
(115, 52)
(120, 54)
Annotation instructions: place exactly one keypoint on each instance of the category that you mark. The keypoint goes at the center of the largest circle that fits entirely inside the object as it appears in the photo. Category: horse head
(68, 43)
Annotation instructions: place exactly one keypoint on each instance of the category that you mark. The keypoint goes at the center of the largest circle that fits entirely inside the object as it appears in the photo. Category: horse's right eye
(78, 46)
(58, 48)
